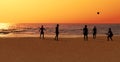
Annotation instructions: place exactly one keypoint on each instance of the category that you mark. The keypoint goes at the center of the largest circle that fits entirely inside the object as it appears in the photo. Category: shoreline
(52, 36)
(46, 36)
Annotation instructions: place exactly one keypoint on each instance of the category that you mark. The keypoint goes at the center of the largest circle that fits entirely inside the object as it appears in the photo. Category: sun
(4, 25)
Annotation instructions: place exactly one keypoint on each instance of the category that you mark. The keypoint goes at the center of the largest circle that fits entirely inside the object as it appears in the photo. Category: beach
(34, 49)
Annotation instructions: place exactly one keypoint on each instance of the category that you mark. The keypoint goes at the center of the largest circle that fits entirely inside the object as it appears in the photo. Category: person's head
(42, 26)
(85, 26)
(57, 25)
(94, 26)
(109, 29)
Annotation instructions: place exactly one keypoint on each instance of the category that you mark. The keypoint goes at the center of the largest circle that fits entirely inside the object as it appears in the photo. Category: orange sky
(59, 11)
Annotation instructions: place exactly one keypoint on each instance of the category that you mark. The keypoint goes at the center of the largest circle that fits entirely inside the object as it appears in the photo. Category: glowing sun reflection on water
(4, 25)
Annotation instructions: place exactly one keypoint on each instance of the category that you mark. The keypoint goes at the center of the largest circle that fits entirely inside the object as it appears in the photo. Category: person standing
(57, 32)
(94, 32)
(85, 33)
(42, 32)
(110, 34)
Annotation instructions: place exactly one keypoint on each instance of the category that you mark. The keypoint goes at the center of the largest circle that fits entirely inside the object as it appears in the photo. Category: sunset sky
(59, 11)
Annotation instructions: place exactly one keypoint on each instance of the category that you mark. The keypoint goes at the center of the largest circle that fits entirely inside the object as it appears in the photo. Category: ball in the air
(98, 13)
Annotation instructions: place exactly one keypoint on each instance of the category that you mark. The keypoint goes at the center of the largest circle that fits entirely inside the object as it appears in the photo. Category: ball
(98, 13)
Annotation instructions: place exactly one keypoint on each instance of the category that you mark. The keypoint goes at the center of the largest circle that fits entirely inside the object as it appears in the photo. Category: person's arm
(44, 29)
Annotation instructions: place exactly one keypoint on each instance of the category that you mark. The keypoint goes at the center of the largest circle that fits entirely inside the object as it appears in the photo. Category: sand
(33, 49)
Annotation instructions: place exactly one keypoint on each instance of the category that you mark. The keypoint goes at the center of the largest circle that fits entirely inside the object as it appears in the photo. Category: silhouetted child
(42, 32)
(110, 34)
(85, 32)
(57, 32)
(94, 32)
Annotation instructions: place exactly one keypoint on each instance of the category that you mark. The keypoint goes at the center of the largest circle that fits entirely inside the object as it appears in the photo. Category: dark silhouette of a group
(85, 33)
(56, 32)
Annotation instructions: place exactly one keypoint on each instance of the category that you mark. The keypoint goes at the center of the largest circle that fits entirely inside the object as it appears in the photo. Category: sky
(59, 11)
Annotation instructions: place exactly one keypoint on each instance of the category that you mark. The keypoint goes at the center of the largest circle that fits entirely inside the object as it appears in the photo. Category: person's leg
(84, 37)
(40, 36)
(87, 37)
(57, 37)
(108, 38)
(43, 35)
(93, 36)
(111, 38)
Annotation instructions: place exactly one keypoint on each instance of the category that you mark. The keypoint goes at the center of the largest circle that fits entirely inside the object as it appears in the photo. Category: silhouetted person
(110, 34)
(85, 32)
(94, 32)
(57, 32)
(42, 32)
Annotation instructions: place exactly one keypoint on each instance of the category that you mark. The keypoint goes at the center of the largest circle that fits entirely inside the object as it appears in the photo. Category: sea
(66, 29)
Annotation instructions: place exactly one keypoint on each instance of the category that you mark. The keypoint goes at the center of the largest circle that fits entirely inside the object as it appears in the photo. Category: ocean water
(66, 30)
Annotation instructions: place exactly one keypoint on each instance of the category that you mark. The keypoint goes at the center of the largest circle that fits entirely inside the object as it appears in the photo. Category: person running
(94, 32)
(42, 32)
(85, 33)
(110, 34)
(57, 32)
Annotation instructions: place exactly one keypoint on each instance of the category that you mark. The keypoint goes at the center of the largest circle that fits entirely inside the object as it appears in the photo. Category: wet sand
(33, 49)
